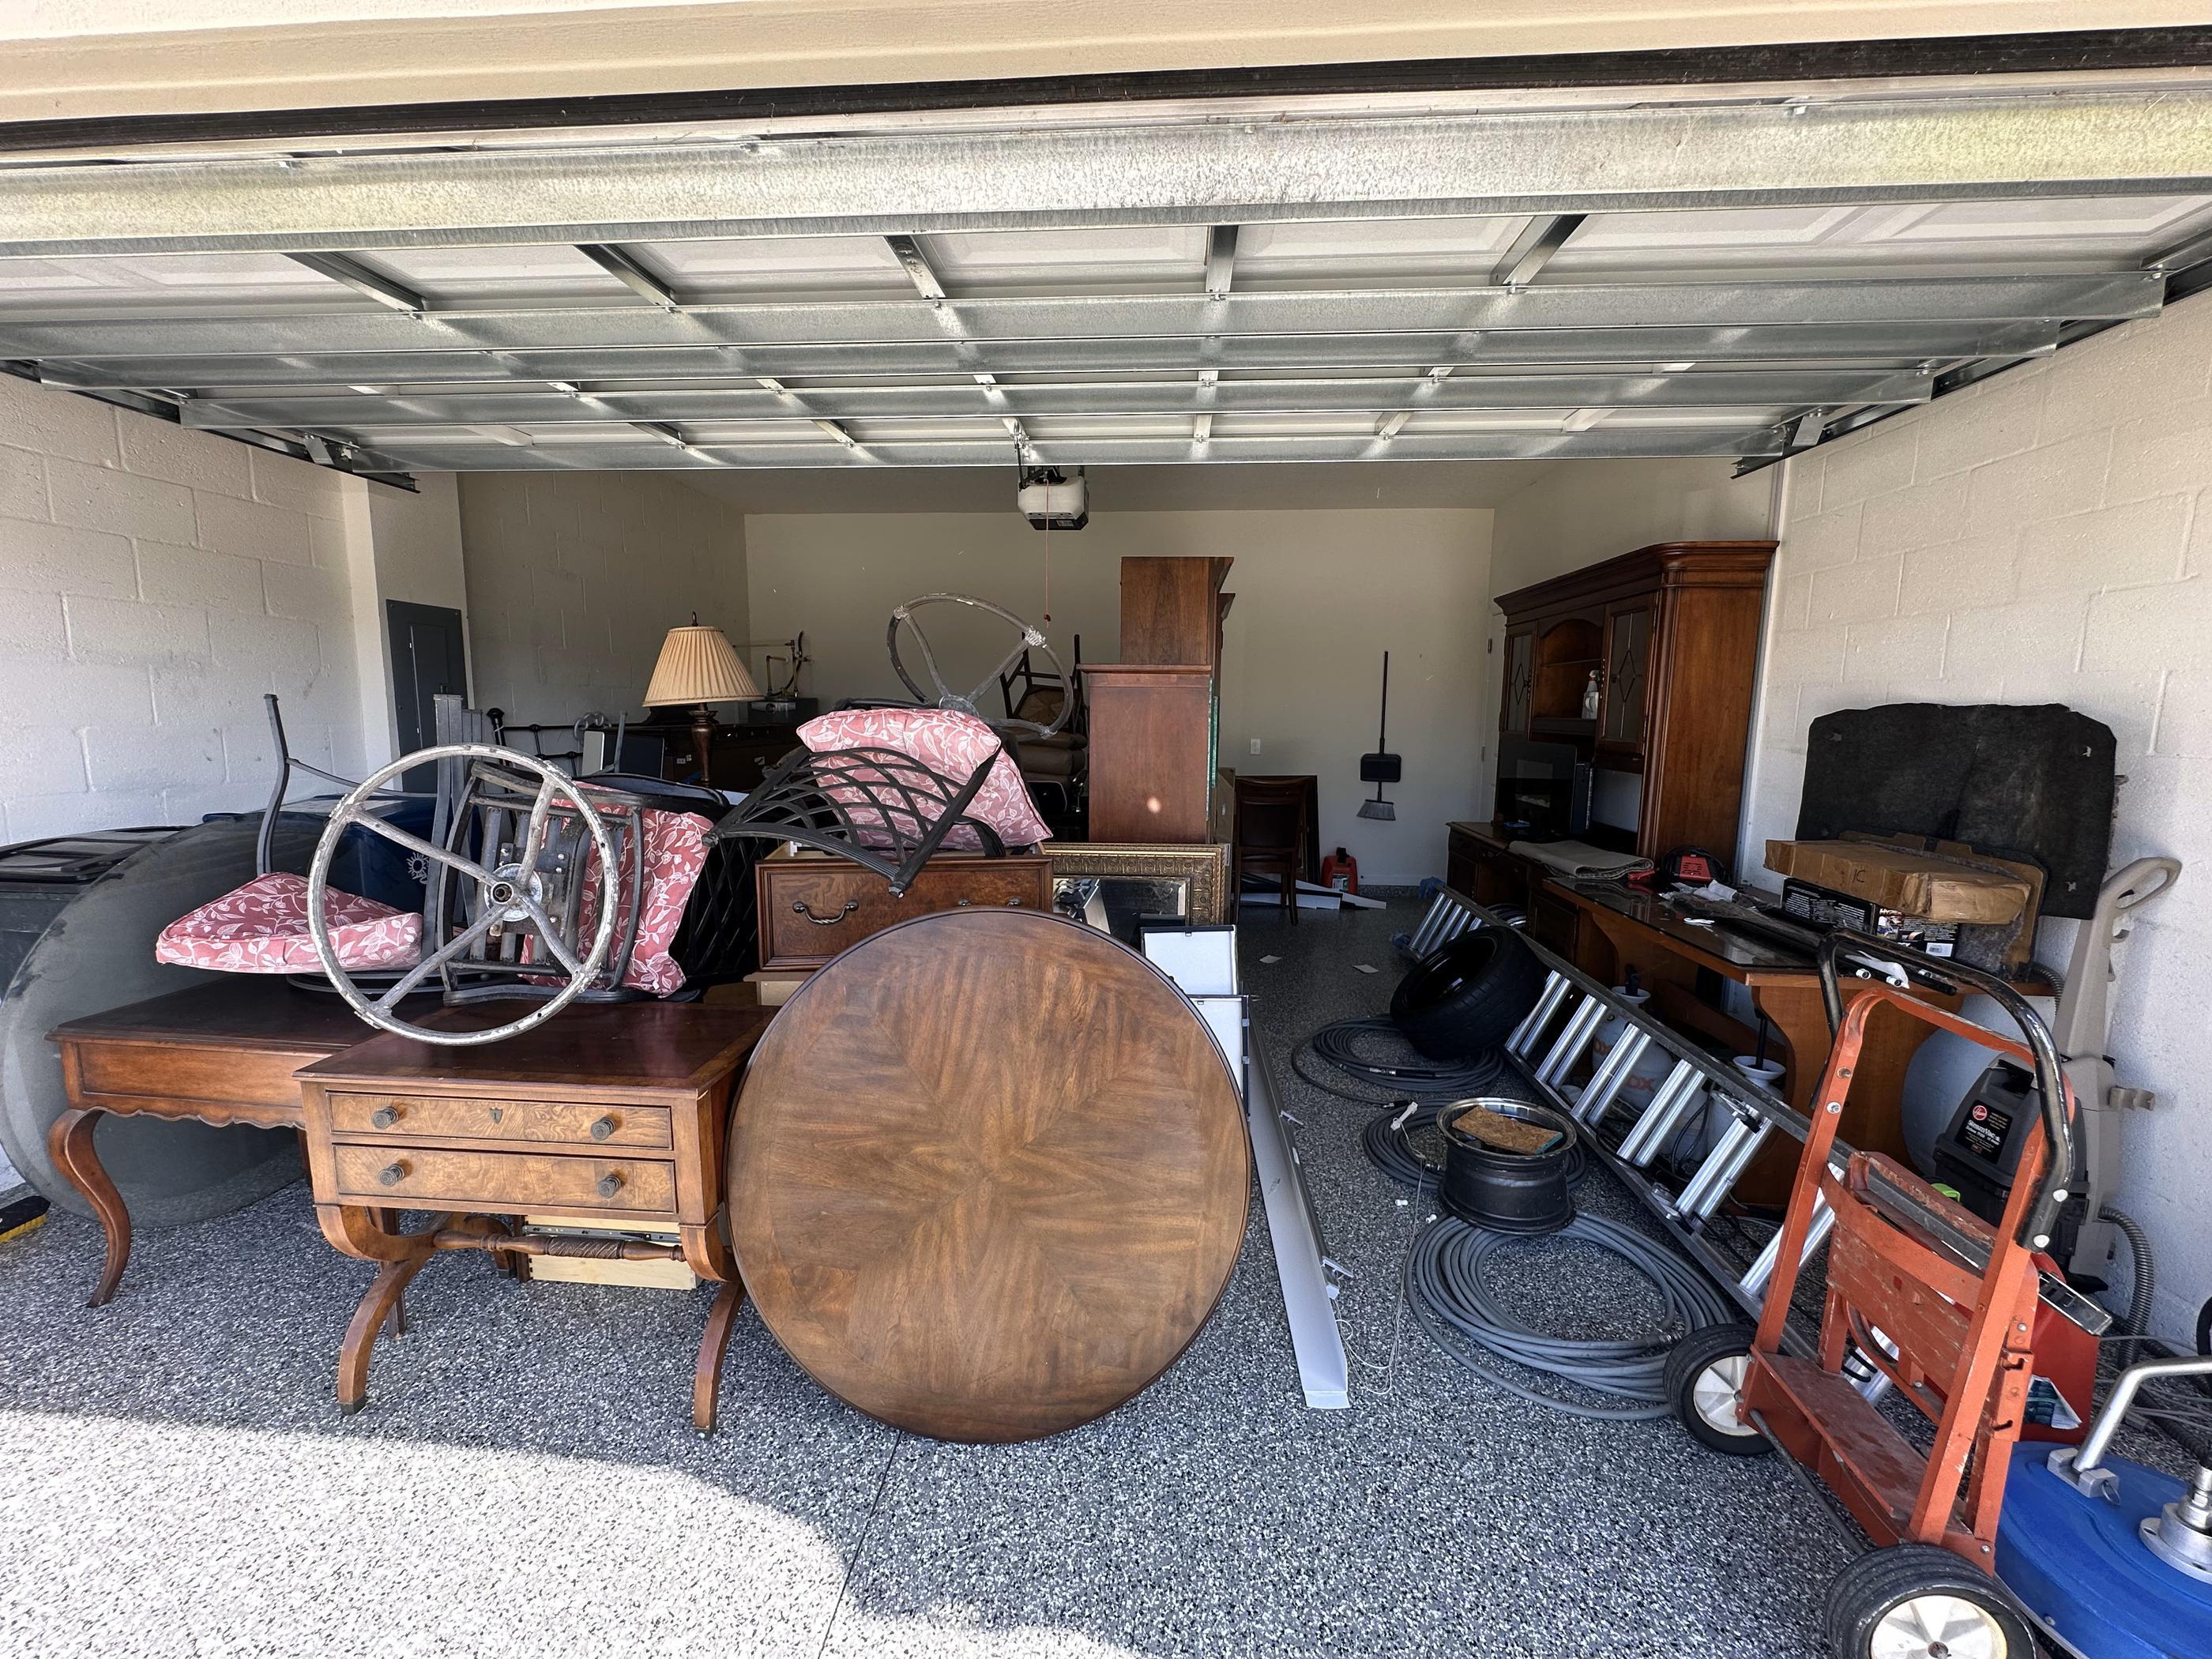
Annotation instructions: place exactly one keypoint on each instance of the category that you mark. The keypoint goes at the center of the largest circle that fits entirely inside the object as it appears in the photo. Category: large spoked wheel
(1917, 1602)
(1704, 1378)
(510, 895)
(943, 696)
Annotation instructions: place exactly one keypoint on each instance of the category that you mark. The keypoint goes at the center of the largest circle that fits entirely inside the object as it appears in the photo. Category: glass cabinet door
(1627, 675)
(1520, 681)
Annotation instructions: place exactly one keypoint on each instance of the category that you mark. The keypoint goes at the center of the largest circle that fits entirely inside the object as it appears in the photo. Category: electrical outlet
(1256, 745)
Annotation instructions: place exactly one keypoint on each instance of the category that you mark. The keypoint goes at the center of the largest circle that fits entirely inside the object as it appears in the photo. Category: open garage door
(1523, 275)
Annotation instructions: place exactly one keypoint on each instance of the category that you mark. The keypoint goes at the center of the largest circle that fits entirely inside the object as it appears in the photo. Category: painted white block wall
(416, 538)
(573, 579)
(2046, 536)
(153, 583)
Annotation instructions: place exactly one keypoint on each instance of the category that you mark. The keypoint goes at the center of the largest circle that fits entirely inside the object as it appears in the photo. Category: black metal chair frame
(915, 808)
(494, 808)
(1074, 789)
(505, 798)
(264, 842)
(506, 733)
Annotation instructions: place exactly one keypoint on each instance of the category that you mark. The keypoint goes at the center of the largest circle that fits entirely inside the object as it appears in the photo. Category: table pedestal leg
(396, 1323)
(368, 1319)
(376, 1310)
(714, 1343)
(68, 1144)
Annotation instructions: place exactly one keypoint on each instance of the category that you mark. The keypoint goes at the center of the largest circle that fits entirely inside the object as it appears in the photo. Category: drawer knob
(799, 908)
(384, 1116)
(391, 1173)
(603, 1128)
(609, 1185)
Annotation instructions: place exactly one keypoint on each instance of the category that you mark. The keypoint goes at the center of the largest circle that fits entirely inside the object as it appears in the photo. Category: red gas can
(1341, 870)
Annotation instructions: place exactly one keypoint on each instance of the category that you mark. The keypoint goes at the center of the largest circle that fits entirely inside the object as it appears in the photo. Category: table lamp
(698, 665)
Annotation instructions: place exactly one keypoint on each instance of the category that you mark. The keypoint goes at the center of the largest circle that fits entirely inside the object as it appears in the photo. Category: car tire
(1466, 995)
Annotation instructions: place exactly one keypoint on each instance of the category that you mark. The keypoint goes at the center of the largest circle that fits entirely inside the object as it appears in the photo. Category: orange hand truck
(1938, 1300)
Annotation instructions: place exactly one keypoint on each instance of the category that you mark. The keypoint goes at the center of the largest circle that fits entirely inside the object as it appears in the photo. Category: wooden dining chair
(1270, 835)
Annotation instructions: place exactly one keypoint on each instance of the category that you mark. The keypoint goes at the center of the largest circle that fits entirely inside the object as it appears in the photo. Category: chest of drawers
(811, 908)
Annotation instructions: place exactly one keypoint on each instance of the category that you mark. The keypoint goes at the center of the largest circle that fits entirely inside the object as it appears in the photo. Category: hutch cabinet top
(1663, 564)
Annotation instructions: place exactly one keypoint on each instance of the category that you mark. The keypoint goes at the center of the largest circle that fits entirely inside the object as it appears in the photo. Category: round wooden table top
(988, 1174)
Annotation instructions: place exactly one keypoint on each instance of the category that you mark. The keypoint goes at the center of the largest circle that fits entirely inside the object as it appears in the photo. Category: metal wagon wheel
(946, 698)
(511, 893)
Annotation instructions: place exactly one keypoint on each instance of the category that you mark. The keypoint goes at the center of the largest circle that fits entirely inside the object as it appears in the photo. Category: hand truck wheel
(1921, 1602)
(1704, 1378)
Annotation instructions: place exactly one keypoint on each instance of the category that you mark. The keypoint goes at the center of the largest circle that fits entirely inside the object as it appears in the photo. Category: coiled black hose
(1350, 1046)
(1388, 1141)
(1449, 1281)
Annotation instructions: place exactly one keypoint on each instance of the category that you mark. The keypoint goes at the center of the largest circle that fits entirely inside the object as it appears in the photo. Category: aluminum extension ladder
(1556, 1036)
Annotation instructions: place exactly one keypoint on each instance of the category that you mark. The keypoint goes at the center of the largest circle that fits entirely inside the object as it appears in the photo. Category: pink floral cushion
(675, 853)
(949, 744)
(262, 928)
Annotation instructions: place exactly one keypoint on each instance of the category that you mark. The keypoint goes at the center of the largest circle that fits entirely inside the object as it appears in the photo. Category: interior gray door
(429, 656)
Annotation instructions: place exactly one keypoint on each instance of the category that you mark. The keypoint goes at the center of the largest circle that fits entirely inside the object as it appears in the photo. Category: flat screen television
(1543, 786)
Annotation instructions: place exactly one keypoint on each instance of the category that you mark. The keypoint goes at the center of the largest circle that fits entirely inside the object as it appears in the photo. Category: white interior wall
(2045, 537)
(156, 582)
(573, 579)
(1580, 513)
(1320, 596)
(416, 540)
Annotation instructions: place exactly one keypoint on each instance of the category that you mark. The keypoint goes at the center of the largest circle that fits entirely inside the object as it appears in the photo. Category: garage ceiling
(1609, 274)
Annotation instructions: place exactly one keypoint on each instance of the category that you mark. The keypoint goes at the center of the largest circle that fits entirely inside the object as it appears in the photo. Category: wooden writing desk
(222, 1053)
(1667, 951)
(617, 1113)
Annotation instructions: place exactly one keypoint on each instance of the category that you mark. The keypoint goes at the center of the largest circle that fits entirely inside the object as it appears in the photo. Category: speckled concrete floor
(525, 1482)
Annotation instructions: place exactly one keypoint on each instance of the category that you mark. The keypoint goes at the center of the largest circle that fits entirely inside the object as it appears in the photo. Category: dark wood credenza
(813, 907)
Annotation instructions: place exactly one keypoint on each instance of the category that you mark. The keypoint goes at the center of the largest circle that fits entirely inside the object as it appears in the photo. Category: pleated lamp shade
(698, 665)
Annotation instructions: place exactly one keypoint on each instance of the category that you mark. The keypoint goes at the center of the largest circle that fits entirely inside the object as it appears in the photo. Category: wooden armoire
(1155, 715)
(1672, 634)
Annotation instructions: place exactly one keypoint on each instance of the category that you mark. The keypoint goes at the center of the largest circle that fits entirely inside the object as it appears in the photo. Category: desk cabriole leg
(68, 1144)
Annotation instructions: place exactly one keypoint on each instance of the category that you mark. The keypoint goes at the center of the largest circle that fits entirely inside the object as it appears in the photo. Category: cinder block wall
(153, 583)
(2046, 536)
